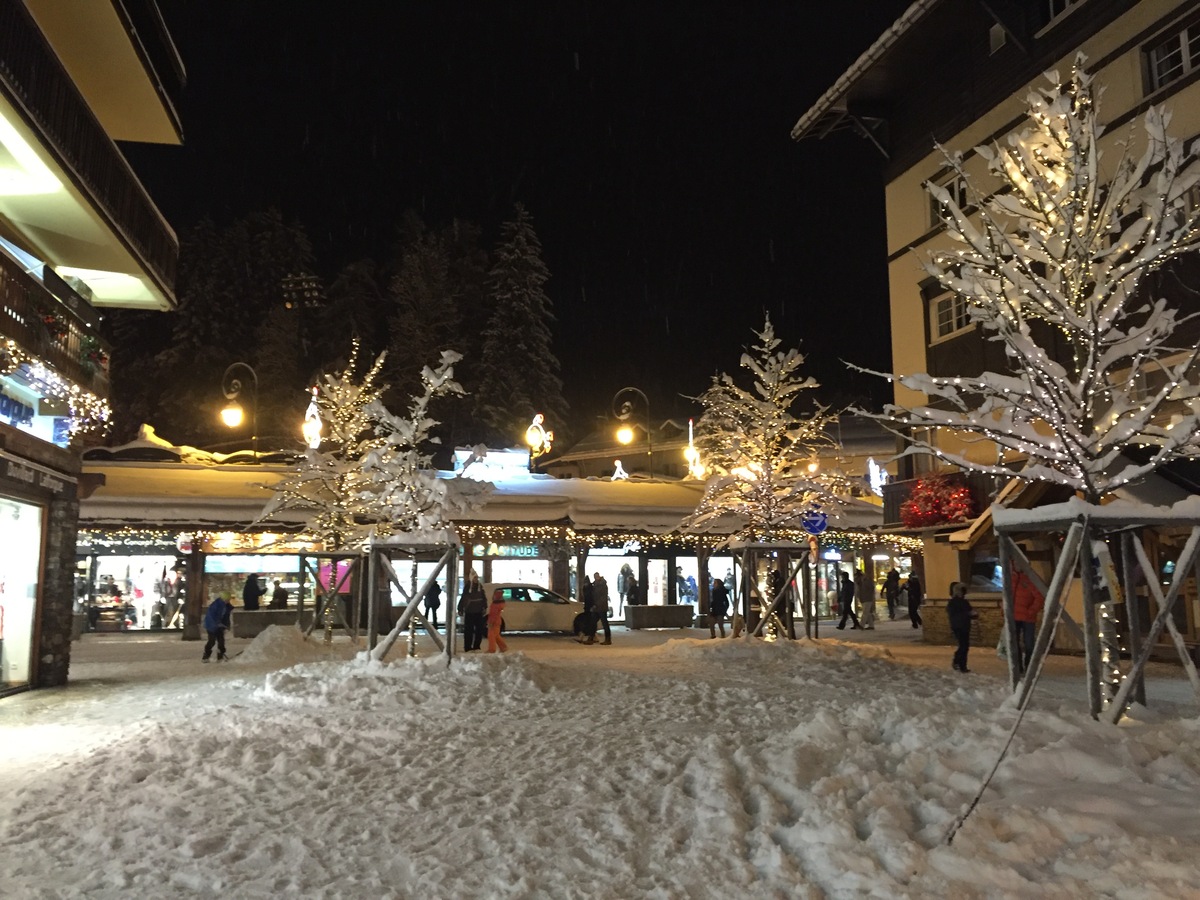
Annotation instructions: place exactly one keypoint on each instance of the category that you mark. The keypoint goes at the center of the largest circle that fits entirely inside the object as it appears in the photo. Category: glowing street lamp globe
(625, 434)
(232, 415)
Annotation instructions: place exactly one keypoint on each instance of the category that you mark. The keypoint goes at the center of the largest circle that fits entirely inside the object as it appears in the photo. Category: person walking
(495, 620)
(588, 632)
(960, 613)
(915, 596)
(217, 620)
(251, 592)
(891, 589)
(1027, 606)
(472, 606)
(846, 601)
(600, 596)
(867, 593)
(631, 590)
(718, 607)
(433, 602)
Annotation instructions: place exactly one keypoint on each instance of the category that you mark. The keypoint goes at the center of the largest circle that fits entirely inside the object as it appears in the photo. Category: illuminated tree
(757, 448)
(1051, 238)
(373, 470)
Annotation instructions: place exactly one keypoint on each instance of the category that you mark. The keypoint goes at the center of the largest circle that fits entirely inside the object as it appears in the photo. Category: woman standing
(495, 618)
(472, 606)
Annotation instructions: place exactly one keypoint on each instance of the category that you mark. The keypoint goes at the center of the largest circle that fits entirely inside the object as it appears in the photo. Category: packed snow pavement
(690, 768)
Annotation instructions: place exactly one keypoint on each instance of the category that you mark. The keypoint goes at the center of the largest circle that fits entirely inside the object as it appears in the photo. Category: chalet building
(958, 74)
(78, 235)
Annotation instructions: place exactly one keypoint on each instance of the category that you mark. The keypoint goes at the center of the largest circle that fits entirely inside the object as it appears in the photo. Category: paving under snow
(662, 767)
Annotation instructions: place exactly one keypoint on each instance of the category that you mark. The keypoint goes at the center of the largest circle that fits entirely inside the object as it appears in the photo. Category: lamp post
(231, 387)
(622, 407)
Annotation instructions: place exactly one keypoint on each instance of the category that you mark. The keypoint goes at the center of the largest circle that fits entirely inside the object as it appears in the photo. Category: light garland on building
(88, 412)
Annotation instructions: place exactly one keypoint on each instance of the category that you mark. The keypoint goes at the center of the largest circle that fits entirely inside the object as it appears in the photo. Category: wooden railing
(50, 331)
(982, 488)
(34, 78)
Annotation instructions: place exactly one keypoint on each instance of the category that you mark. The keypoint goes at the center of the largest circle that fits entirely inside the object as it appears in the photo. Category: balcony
(35, 82)
(982, 487)
(59, 333)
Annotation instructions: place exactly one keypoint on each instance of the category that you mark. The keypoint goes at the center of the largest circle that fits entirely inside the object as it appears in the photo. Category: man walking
(600, 598)
(846, 599)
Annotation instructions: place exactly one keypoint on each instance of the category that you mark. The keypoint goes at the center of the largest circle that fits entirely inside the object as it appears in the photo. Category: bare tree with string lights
(1052, 256)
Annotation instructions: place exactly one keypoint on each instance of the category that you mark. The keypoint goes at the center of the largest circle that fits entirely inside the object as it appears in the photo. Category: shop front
(37, 531)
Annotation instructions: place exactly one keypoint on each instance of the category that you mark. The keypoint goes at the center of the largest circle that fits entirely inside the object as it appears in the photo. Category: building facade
(78, 235)
(958, 74)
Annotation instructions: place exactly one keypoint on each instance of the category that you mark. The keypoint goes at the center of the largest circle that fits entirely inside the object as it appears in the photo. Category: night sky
(649, 141)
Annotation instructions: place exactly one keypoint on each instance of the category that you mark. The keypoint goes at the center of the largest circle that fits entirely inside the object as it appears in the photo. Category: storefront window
(21, 546)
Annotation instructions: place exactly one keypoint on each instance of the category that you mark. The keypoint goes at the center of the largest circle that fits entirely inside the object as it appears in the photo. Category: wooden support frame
(412, 613)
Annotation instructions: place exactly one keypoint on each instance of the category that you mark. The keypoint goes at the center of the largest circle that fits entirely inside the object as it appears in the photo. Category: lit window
(956, 187)
(1173, 57)
(950, 315)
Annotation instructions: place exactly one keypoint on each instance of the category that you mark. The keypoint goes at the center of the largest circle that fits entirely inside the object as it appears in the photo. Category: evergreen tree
(230, 279)
(517, 372)
(758, 449)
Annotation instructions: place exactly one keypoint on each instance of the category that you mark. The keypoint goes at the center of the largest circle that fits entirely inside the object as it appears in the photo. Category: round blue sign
(814, 521)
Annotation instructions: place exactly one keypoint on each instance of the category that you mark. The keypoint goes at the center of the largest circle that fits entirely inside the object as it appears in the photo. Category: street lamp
(622, 407)
(232, 415)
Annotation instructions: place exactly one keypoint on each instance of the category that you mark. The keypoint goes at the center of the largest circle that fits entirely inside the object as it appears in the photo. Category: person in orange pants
(495, 615)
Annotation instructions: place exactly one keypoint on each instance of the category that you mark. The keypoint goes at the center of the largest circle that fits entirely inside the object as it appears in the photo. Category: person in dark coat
(251, 592)
(891, 592)
(846, 601)
(217, 621)
(915, 596)
(718, 607)
(279, 597)
(960, 613)
(472, 606)
(588, 635)
(600, 610)
(433, 602)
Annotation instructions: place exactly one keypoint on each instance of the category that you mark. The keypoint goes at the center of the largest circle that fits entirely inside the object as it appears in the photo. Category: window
(949, 315)
(1049, 12)
(956, 186)
(1172, 57)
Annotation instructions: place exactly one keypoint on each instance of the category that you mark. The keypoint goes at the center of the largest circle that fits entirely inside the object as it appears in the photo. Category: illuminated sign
(510, 550)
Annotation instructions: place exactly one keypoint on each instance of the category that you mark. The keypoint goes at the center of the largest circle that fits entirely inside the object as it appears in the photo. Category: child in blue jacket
(216, 620)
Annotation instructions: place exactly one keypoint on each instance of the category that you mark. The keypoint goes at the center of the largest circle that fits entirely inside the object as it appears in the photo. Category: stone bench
(678, 616)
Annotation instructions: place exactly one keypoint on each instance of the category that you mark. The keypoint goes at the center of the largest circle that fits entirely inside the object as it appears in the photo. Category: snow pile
(693, 768)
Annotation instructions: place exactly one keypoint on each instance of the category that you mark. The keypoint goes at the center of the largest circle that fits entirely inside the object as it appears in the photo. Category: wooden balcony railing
(32, 75)
(982, 488)
(62, 338)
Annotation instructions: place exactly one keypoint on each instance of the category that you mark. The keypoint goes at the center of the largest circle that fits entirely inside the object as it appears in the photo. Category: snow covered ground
(664, 766)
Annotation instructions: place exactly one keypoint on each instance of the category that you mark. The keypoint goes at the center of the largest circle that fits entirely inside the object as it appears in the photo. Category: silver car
(528, 607)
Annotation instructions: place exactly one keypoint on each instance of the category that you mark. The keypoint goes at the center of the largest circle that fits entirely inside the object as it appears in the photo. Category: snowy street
(667, 765)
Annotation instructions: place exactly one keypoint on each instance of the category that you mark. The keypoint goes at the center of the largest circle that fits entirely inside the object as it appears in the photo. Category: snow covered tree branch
(373, 471)
(757, 450)
(1052, 238)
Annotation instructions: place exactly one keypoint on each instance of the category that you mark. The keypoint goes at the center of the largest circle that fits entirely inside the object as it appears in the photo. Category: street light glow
(625, 434)
(232, 415)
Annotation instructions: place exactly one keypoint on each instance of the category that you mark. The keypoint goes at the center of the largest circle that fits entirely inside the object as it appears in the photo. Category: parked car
(528, 607)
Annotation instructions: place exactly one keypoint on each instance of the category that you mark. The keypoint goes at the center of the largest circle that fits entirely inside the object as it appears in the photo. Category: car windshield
(545, 597)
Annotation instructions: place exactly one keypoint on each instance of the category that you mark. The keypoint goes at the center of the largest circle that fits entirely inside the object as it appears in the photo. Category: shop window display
(21, 543)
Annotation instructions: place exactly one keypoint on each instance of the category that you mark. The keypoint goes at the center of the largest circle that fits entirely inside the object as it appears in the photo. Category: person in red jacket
(495, 616)
(1027, 605)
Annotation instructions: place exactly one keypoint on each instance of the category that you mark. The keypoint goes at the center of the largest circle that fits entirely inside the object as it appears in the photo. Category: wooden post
(1091, 628)
(1133, 616)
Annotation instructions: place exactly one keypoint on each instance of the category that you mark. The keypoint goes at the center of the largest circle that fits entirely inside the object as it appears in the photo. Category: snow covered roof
(831, 112)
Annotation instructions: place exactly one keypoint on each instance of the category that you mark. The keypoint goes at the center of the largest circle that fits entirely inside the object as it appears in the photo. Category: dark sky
(649, 140)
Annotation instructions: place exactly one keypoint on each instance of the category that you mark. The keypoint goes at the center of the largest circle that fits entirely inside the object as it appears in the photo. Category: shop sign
(38, 478)
(528, 551)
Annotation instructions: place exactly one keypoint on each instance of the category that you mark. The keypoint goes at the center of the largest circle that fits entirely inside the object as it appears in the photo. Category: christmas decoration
(936, 500)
